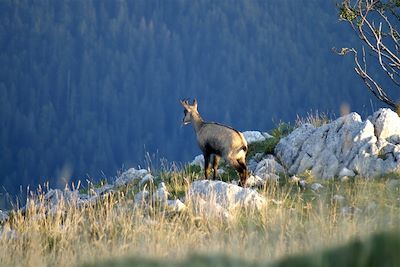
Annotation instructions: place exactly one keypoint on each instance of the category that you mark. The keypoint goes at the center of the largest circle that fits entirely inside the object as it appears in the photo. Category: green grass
(315, 118)
(268, 145)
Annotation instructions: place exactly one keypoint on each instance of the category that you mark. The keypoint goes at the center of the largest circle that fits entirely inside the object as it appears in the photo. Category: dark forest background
(88, 87)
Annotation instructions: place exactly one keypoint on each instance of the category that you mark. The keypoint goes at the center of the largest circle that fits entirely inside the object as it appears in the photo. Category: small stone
(266, 135)
(254, 181)
(349, 211)
(316, 186)
(345, 179)
(142, 197)
(253, 136)
(130, 176)
(148, 179)
(3, 216)
(268, 165)
(346, 172)
(338, 198)
(176, 205)
(302, 184)
(161, 195)
(295, 179)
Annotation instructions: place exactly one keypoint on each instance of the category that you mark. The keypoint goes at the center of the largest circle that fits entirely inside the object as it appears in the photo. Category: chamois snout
(216, 141)
(188, 110)
(186, 117)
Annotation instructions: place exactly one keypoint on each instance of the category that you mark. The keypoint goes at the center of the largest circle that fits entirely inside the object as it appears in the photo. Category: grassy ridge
(295, 221)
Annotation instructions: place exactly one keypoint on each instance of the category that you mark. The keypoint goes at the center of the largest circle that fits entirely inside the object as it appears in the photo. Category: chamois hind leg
(215, 164)
(243, 173)
(206, 164)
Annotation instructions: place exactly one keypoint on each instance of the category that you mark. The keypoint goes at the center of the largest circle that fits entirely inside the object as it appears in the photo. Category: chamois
(218, 141)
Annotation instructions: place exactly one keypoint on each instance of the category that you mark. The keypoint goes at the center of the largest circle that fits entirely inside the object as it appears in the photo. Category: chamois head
(189, 111)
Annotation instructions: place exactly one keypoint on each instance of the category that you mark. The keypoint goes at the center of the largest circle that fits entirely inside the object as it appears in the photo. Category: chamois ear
(194, 103)
(184, 103)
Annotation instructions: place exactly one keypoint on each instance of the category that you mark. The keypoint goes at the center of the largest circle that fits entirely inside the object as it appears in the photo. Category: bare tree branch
(369, 20)
(372, 85)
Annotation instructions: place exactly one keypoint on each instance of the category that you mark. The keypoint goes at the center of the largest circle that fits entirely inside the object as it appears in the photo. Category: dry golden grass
(293, 222)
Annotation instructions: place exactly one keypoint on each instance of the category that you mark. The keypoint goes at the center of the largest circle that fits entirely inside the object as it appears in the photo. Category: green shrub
(267, 146)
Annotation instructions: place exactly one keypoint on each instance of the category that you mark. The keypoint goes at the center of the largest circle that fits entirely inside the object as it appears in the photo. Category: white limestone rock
(288, 148)
(209, 209)
(54, 197)
(147, 180)
(55, 201)
(176, 205)
(255, 136)
(386, 122)
(338, 198)
(344, 147)
(228, 196)
(198, 161)
(161, 195)
(252, 165)
(130, 176)
(268, 165)
(259, 157)
(142, 198)
(316, 186)
(3, 216)
(104, 189)
(350, 211)
(346, 172)
(254, 181)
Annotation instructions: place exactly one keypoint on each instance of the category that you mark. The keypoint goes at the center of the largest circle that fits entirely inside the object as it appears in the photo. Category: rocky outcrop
(345, 146)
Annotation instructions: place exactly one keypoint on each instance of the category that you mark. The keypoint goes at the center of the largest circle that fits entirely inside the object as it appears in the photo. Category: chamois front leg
(240, 166)
(206, 164)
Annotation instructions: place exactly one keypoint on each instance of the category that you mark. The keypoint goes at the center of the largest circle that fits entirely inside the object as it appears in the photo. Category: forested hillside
(87, 87)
